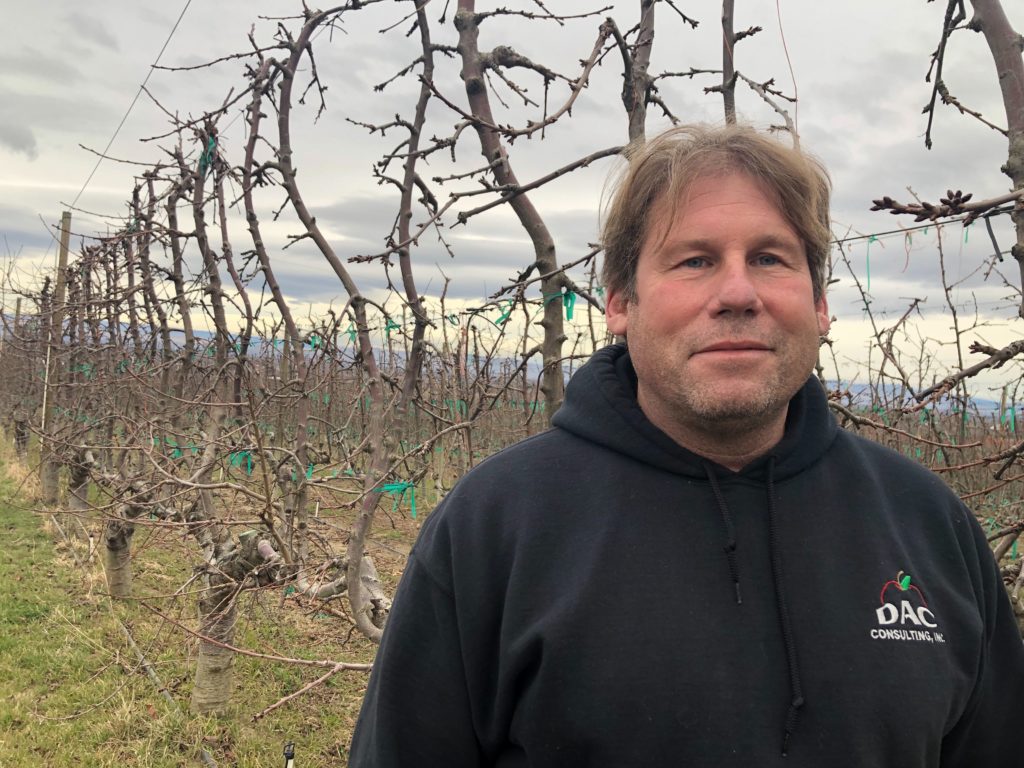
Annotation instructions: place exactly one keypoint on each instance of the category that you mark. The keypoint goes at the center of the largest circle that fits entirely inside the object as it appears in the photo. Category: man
(695, 566)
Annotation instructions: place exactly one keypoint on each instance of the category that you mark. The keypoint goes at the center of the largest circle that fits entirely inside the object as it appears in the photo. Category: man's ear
(616, 312)
(824, 320)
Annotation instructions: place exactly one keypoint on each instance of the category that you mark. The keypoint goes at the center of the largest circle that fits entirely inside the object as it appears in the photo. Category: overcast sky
(68, 72)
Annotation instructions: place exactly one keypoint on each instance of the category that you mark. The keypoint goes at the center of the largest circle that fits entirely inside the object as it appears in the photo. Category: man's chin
(736, 414)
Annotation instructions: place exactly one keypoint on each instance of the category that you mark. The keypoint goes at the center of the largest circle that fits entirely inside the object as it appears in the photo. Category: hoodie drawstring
(730, 531)
(795, 683)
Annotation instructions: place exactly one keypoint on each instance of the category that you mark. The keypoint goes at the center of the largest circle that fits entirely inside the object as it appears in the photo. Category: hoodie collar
(601, 406)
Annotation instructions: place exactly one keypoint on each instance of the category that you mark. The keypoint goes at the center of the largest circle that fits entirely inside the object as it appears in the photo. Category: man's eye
(694, 262)
(767, 259)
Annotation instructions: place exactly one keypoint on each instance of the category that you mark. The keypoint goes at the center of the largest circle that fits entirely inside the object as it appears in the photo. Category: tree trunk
(49, 476)
(78, 495)
(217, 615)
(21, 435)
(728, 62)
(117, 557)
(1005, 44)
(545, 257)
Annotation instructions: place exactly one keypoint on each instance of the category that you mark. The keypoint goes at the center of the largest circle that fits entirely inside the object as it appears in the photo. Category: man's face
(724, 327)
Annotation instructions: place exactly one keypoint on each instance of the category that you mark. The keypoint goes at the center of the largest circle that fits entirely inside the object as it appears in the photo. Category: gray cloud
(91, 29)
(860, 111)
(32, 64)
(19, 138)
(40, 109)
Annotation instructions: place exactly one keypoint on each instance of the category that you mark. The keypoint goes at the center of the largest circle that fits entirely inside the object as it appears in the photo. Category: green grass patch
(73, 694)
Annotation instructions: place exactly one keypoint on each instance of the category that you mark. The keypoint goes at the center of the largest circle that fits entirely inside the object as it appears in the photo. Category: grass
(71, 687)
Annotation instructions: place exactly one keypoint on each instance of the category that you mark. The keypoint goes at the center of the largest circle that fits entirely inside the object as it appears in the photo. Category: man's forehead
(675, 201)
(685, 192)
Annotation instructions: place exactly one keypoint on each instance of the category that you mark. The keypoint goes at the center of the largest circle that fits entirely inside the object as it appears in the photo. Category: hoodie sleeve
(417, 711)
(988, 733)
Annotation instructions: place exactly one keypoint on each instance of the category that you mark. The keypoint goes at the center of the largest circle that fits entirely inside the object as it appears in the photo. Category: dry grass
(74, 693)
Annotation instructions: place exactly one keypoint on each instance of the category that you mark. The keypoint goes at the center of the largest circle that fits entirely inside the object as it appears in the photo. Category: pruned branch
(953, 204)
(996, 359)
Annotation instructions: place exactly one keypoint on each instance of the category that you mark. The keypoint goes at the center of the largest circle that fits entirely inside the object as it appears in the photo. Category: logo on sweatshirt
(903, 613)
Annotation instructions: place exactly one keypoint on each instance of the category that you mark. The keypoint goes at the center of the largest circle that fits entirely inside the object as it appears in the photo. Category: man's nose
(736, 290)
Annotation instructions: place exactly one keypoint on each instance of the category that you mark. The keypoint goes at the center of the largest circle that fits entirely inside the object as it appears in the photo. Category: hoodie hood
(601, 406)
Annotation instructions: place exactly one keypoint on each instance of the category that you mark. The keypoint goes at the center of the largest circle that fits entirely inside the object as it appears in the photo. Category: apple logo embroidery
(903, 613)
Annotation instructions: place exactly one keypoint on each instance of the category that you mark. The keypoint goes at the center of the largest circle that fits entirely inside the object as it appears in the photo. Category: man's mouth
(734, 346)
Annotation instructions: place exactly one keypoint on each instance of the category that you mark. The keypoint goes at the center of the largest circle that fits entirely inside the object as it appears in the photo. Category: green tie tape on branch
(206, 160)
(568, 301)
(503, 318)
(881, 412)
(314, 341)
(309, 473)
(967, 231)
(237, 457)
(176, 453)
(453, 319)
(351, 333)
(1010, 416)
(456, 406)
(399, 491)
(867, 259)
(86, 368)
(599, 290)
(391, 326)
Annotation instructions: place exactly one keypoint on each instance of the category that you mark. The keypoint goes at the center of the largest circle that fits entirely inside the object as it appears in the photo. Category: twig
(861, 421)
(995, 360)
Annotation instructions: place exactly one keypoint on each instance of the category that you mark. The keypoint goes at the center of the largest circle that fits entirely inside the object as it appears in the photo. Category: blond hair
(664, 168)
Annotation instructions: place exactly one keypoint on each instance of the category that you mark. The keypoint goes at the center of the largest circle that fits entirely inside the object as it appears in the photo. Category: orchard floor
(72, 690)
